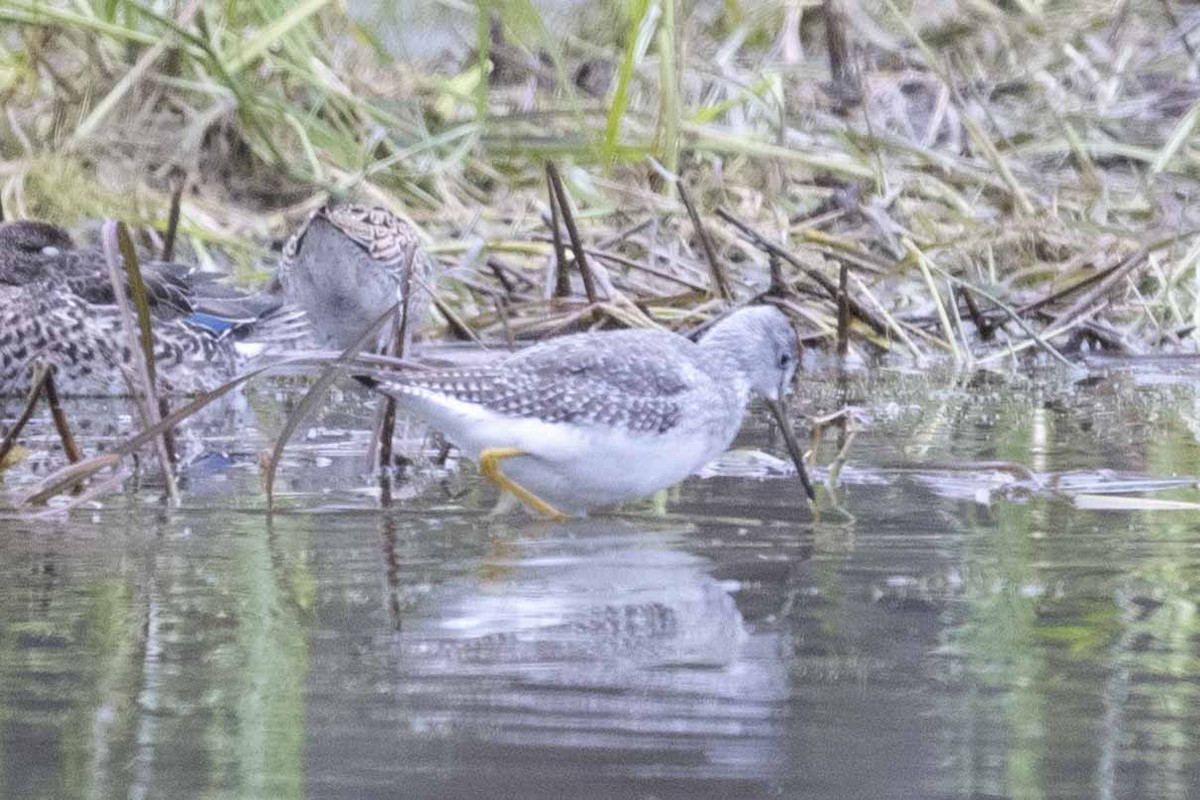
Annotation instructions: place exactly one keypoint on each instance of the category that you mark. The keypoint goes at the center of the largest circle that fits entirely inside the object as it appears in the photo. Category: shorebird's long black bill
(793, 446)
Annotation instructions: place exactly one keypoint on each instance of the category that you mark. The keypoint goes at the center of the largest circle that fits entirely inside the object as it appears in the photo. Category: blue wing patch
(217, 326)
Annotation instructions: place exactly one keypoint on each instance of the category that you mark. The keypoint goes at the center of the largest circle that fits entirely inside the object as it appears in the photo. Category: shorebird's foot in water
(489, 467)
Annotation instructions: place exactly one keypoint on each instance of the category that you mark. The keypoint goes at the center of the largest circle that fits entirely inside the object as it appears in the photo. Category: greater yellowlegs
(348, 264)
(596, 418)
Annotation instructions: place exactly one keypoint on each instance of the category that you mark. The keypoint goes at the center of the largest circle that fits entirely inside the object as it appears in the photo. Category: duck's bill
(792, 445)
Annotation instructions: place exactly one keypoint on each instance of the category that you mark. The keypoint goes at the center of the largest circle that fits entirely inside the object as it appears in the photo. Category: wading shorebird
(596, 418)
(348, 264)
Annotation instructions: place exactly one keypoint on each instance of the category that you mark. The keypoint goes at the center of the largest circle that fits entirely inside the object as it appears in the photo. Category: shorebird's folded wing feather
(384, 236)
(638, 388)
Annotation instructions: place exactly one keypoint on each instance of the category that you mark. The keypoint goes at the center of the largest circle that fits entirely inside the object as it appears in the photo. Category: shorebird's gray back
(633, 380)
(646, 381)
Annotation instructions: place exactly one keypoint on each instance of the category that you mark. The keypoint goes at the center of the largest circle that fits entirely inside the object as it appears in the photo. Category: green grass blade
(643, 21)
(669, 101)
(275, 31)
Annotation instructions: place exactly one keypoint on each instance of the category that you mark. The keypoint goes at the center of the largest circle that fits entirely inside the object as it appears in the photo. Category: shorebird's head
(762, 342)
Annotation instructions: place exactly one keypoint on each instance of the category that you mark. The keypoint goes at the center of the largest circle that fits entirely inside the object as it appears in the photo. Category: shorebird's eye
(784, 360)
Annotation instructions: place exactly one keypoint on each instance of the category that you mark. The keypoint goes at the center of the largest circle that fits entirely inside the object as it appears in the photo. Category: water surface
(951, 631)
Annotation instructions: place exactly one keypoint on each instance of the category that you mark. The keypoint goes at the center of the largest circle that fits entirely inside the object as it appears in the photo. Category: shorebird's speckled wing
(637, 382)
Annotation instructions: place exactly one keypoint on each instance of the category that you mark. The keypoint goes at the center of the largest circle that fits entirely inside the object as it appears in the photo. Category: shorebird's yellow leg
(489, 467)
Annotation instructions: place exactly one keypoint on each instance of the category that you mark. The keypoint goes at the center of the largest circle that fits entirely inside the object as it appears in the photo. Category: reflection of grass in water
(1086, 635)
(1053, 598)
(189, 654)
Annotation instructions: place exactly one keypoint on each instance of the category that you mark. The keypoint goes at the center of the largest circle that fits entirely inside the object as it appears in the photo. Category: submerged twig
(41, 374)
(68, 477)
(70, 446)
(397, 348)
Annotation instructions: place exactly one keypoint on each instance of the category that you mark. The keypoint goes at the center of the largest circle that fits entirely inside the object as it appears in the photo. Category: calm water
(944, 635)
